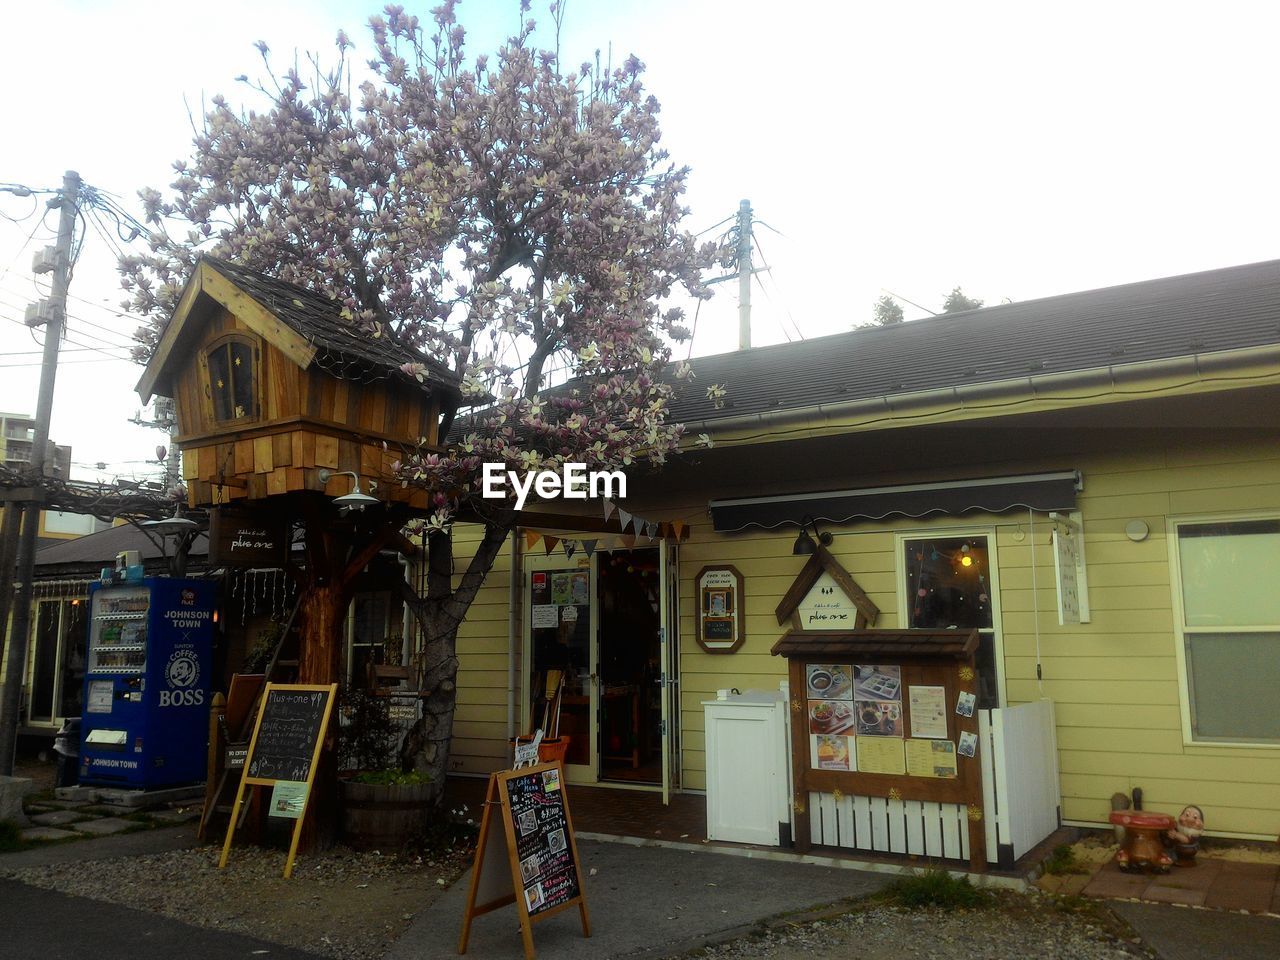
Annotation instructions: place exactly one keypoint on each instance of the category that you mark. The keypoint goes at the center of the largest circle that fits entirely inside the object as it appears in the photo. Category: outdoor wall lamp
(804, 545)
(171, 526)
(355, 499)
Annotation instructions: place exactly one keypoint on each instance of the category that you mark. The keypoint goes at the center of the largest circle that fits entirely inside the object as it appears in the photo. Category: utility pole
(744, 275)
(55, 316)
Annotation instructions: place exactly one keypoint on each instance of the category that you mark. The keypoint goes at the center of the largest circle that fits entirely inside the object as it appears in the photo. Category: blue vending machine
(146, 687)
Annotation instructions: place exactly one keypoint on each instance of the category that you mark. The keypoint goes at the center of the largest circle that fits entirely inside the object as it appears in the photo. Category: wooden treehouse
(271, 386)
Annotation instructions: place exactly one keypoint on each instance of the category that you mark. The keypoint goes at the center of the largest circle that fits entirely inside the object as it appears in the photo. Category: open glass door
(561, 693)
(669, 577)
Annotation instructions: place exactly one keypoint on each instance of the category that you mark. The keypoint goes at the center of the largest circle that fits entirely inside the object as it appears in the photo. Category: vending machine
(146, 698)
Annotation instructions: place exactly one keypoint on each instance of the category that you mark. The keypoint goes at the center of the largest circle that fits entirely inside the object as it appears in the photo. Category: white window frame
(900, 537)
(1179, 626)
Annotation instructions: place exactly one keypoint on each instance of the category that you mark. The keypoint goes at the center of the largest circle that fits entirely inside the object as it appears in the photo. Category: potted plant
(383, 806)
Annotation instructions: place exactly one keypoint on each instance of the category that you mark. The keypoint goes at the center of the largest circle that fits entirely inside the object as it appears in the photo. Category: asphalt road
(38, 924)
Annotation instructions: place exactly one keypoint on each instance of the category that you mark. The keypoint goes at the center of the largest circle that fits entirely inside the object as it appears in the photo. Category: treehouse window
(233, 379)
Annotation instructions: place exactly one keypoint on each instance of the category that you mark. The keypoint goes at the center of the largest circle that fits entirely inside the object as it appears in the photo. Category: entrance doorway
(599, 655)
(630, 666)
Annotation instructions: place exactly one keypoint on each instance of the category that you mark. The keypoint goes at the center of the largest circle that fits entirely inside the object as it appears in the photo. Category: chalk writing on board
(287, 734)
(548, 872)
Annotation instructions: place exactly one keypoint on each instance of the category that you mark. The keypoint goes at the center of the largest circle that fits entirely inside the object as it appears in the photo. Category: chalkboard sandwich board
(283, 754)
(542, 872)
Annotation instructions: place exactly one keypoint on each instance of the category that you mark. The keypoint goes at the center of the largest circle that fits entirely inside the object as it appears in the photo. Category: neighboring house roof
(1194, 314)
(97, 550)
(313, 323)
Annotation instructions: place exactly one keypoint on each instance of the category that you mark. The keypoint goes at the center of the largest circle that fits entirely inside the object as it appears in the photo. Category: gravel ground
(1018, 928)
(342, 904)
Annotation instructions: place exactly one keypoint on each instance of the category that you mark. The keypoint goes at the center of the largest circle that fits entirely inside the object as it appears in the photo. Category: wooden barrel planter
(382, 816)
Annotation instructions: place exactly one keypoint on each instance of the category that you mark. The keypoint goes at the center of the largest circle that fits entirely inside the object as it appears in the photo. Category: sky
(1019, 150)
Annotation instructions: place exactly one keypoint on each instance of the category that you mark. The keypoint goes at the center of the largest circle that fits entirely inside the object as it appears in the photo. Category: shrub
(392, 777)
(936, 888)
(1063, 860)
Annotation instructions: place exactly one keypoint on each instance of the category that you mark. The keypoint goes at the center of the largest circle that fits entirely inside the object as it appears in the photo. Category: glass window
(232, 380)
(1231, 628)
(949, 586)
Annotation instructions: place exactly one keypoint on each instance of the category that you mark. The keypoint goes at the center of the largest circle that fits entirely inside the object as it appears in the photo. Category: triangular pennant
(677, 527)
(550, 543)
(639, 523)
(570, 548)
(650, 530)
(624, 519)
(606, 543)
(589, 547)
(531, 538)
(609, 507)
(627, 541)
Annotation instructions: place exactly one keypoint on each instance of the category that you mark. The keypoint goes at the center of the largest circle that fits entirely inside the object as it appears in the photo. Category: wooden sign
(881, 713)
(283, 754)
(242, 537)
(720, 614)
(541, 874)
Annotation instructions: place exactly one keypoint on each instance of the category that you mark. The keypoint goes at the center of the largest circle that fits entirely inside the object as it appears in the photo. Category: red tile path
(1220, 884)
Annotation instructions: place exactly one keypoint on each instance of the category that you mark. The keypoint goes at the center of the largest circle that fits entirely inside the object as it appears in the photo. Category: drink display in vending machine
(146, 698)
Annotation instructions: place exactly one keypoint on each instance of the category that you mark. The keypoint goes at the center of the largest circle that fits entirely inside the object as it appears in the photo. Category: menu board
(543, 875)
(290, 726)
(548, 873)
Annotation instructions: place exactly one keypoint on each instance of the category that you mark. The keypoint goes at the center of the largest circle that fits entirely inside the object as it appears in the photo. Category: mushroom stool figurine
(1143, 848)
(1184, 836)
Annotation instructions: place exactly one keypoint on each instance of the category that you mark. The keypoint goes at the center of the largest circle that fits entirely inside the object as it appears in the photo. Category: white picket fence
(1020, 792)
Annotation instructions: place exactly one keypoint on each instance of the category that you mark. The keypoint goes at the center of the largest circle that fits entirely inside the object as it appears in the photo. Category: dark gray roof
(98, 550)
(1228, 309)
(319, 319)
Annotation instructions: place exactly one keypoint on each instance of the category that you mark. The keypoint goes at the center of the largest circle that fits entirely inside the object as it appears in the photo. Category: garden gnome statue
(1184, 836)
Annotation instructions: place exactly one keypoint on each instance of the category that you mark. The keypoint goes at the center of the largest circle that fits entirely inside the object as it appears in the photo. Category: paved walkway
(1176, 933)
(644, 901)
(44, 925)
(1219, 884)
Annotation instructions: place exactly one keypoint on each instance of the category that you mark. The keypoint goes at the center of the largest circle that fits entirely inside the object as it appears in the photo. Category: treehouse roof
(305, 326)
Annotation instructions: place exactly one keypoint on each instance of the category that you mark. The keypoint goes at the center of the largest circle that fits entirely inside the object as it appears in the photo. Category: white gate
(1020, 798)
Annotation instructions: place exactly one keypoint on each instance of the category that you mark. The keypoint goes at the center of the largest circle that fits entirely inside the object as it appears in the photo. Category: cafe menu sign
(720, 617)
(247, 537)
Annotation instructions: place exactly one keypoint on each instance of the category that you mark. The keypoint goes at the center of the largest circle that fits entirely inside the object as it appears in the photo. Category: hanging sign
(247, 537)
(1069, 566)
(720, 616)
(284, 752)
(542, 874)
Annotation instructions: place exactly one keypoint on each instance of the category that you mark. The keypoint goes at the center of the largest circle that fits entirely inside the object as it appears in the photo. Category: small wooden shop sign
(248, 537)
(284, 752)
(541, 872)
(720, 616)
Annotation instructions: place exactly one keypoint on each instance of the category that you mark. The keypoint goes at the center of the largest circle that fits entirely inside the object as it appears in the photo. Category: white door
(560, 638)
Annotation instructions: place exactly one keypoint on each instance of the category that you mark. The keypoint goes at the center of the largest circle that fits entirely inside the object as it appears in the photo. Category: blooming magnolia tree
(511, 217)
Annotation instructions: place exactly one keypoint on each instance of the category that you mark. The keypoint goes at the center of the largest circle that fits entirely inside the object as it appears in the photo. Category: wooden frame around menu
(247, 781)
(497, 800)
(956, 675)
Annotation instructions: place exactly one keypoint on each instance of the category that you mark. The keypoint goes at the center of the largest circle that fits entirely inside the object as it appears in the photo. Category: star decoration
(221, 384)
(797, 806)
(237, 361)
(837, 795)
(966, 674)
(796, 706)
(895, 793)
(975, 814)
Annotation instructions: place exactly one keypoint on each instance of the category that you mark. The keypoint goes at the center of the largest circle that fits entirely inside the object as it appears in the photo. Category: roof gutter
(1111, 382)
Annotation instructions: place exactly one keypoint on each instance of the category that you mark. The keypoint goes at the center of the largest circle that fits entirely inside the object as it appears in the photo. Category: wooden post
(213, 776)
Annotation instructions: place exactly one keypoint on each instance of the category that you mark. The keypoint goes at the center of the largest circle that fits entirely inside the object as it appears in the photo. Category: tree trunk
(439, 615)
(321, 612)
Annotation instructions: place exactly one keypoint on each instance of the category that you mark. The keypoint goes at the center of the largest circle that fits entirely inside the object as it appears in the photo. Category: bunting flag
(606, 543)
(627, 541)
(624, 519)
(531, 538)
(569, 549)
(589, 547)
(639, 523)
(609, 507)
(677, 527)
(650, 530)
(550, 543)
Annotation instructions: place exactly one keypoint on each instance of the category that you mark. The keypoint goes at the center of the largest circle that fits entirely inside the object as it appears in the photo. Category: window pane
(948, 583)
(220, 383)
(243, 380)
(1229, 572)
(1233, 679)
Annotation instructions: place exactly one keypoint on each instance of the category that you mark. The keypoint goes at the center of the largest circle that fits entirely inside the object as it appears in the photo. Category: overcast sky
(1020, 150)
